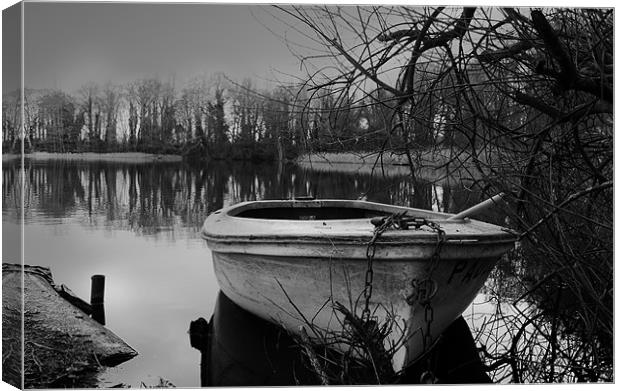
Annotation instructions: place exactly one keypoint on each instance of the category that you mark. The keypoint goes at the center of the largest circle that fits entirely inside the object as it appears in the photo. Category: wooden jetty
(62, 345)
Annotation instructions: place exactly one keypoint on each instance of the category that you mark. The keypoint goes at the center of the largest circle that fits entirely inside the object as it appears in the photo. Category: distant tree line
(209, 118)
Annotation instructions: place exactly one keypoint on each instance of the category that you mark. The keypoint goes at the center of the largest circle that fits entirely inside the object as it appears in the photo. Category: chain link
(424, 289)
(429, 315)
(380, 227)
(426, 299)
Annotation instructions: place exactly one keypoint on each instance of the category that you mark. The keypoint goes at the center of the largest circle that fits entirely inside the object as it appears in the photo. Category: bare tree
(144, 96)
(517, 100)
(11, 119)
(89, 97)
(111, 100)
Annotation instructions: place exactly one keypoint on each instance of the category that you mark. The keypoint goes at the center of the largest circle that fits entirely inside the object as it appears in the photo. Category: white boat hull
(293, 272)
(264, 285)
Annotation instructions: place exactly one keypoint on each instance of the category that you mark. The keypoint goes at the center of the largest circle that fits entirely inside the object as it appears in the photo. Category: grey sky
(11, 48)
(70, 44)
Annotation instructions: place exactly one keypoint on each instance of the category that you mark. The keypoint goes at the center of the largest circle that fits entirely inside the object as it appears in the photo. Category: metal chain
(423, 289)
(441, 239)
(428, 376)
(425, 300)
(380, 228)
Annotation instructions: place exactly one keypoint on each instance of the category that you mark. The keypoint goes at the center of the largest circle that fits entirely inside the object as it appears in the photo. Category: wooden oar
(404, 221)
(478, 208)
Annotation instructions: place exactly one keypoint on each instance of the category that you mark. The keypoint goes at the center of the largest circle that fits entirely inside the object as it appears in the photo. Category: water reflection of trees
(149, 198)
(538, 321)
(11, 193)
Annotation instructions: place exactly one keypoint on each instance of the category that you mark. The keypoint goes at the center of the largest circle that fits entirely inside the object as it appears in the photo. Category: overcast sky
(70, 44)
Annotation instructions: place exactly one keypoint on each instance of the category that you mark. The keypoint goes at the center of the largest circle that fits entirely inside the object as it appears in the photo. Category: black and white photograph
(225, 194)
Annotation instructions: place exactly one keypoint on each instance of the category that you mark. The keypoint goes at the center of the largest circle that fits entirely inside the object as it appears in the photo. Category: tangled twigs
(314, 361)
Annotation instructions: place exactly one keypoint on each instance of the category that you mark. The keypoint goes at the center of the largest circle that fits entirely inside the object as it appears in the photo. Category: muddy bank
(62, 345)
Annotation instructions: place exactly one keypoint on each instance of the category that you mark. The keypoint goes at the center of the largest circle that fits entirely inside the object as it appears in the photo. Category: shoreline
(130, 157)
(432, 166)
(352, 162)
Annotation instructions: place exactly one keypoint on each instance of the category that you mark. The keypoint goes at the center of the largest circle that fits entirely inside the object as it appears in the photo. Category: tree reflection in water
(151, 198)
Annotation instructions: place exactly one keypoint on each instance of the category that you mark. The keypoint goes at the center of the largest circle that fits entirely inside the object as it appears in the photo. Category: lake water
(139, 224)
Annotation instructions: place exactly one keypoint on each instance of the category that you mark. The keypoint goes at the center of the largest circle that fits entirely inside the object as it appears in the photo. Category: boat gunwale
(497, 234)
(301, 204)
(392, 240)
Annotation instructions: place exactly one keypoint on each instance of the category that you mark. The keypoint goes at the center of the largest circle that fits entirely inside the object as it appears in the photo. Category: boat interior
(313, 213)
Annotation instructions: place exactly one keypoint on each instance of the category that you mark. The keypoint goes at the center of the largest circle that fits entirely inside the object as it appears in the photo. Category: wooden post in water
(97, 288)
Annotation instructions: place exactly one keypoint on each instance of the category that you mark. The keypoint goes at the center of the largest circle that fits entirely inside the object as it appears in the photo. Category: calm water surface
(139, 224)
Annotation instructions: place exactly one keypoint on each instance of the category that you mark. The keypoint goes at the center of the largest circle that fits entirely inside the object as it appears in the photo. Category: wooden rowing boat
(290, 261)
